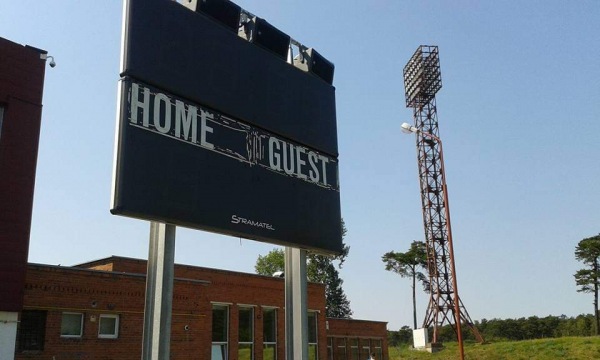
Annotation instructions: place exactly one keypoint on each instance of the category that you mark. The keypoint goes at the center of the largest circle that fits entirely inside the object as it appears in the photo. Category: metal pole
(457, 316)
(296, 316)
(159, 292)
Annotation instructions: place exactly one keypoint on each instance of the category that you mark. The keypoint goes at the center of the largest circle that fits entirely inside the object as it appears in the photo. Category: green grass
(567, 348)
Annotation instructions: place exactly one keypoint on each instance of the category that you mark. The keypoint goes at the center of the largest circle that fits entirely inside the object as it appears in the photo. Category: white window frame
(115, 334)
(271, 343)
(80, 325)
(354, 349)
(221, 344)
(365, 348)
(337, 346)
(316, 329)
(251, 342)
(376, 344)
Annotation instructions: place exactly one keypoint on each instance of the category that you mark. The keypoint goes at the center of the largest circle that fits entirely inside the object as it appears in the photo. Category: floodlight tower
(422, 80)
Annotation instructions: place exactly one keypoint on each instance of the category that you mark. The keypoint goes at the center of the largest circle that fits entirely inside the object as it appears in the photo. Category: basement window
(108, 326)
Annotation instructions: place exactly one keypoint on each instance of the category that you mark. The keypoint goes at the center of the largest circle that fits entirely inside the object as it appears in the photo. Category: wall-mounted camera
(52, 63)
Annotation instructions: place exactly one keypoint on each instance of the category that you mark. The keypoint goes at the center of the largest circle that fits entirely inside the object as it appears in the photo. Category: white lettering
(313, 173)
(325, 161)
(300, 162)
(274, 159)
(187, 120)
(288, 160)
(158, 99)
(237, 220)
(179, 120)
(294, 159)
(204, 128)
(137, 104)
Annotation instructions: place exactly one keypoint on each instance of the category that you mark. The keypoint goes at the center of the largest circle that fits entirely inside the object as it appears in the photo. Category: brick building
(22, 70)
(95, 311)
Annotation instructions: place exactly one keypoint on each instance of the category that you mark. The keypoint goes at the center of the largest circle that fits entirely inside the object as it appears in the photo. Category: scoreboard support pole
(296, 316)
(156, 342)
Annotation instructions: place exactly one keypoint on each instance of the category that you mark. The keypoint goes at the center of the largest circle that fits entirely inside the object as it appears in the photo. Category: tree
(588, 279)
(271, 263)
(410, 264)
(321, 269)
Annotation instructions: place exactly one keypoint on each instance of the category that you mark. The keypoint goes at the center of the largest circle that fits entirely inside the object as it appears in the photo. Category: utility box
(420, 338)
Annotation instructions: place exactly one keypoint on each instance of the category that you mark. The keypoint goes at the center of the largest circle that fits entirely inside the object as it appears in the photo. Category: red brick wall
(122, 291)
(363, 330)
(21, 85)
(58, 289)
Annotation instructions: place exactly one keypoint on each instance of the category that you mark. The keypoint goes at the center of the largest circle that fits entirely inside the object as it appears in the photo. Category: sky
(519, 116)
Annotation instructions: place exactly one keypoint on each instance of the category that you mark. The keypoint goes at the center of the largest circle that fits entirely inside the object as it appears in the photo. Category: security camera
(52, 63)
(186, 328)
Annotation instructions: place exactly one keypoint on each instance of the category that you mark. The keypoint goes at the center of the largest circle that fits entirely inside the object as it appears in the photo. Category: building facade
(22, 71)
(95, 311)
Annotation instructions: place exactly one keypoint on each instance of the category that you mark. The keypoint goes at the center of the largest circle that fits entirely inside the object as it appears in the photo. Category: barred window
(32, 331)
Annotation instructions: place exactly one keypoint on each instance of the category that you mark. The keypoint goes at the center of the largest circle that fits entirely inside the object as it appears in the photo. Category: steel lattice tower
(422, 80)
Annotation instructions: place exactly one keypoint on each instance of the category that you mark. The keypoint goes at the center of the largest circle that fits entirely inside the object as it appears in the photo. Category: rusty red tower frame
(422, 80)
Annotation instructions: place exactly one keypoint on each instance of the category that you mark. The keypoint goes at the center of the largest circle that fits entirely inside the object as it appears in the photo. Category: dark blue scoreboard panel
(216, 133)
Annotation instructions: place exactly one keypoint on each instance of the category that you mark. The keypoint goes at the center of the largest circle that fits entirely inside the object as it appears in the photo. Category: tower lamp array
(422, 80)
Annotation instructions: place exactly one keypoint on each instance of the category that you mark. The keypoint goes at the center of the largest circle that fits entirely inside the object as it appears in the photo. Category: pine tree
(410, 264)
(588, 279)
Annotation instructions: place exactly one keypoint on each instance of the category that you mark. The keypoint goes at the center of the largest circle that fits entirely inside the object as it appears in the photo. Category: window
(340, 349)
(71, 325)
(365, 348)
(32, 330)
(330, 348)
(269, 334)
(312, 336)
(246, 333)
(354, 349)
(108, 326)
(377, 349)
(220, 327)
